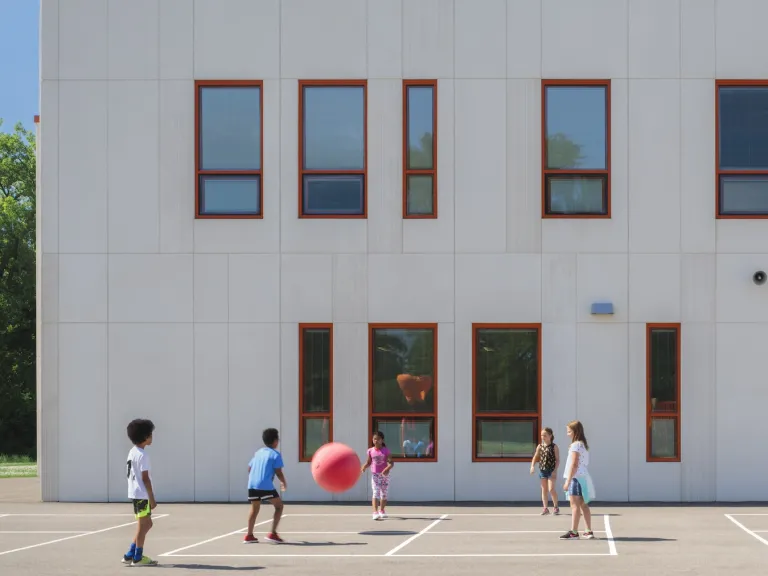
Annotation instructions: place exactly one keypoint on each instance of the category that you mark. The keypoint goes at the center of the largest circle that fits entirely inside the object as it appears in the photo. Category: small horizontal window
(230, 195)
(334, 194)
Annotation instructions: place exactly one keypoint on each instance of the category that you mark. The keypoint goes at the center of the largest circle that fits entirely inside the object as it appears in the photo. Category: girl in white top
(578, 485)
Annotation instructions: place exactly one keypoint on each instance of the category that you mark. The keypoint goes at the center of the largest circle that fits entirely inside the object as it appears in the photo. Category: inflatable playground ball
(335, 467)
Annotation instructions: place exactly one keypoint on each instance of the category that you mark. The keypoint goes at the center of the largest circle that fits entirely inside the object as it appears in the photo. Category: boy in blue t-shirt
(262, 469)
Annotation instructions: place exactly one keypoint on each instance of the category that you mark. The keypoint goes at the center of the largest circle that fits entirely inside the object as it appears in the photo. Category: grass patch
(14, 459)
(17, 466)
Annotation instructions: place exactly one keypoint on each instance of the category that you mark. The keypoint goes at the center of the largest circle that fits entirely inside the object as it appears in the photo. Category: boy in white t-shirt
(140, 490)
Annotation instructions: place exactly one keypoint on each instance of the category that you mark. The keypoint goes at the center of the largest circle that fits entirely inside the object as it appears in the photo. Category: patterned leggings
(380, 485)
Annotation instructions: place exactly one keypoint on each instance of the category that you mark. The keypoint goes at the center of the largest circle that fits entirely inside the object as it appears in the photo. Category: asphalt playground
(38, 539)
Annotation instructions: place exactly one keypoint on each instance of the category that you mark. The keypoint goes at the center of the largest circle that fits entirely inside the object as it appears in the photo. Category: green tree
(17, 292)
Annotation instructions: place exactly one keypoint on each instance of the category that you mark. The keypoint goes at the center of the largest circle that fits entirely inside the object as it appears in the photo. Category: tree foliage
(17, 292)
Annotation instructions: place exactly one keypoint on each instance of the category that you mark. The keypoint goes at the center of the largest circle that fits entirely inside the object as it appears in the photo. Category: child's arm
(535, 458)
(572, 471)
(557, 456)
(390, 465)
(148, 485)
(367, 464)
(281, 477)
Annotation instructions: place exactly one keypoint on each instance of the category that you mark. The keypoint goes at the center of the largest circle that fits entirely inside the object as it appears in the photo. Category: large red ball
(335, 467)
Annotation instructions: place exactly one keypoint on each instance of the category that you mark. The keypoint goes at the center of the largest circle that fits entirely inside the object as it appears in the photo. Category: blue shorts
(574, 488)
(544, 474)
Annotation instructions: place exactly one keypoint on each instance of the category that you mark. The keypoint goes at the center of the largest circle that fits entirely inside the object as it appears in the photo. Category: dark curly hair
(139, 430)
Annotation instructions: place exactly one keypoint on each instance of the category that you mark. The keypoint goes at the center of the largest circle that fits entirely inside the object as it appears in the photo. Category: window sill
(475, 459)
(334, 216)
(576, 216)
(229, 216)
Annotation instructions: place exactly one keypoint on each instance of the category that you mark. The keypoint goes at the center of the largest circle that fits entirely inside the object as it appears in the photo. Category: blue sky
(19, 62)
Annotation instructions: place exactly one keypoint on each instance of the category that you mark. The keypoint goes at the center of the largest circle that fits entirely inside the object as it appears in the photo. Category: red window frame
(364, 172)
(477, 415)
(406, 149)
(545, 172)
(405, 415)
(199, 85)
(718, 172)
(673, 412)
(304, 415)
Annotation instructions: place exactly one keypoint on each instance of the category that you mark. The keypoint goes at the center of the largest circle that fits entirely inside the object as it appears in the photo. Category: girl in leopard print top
(548, 456)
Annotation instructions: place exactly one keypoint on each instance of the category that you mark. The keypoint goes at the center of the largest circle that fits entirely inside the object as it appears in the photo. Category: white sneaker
(375, 516)
(383, 515)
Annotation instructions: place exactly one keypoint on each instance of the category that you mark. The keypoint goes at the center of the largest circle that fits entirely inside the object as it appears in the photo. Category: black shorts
(141, 508)
(261, 495)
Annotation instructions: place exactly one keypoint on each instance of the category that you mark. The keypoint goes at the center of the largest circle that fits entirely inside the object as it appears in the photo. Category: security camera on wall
(759, 277)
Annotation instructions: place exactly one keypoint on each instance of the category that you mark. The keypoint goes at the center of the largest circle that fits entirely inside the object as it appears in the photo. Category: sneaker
(127, 559)
(145, 561)
(376, 516)
(273, 537)
(383, 514)
(570, 535)
(545, 512)
(589, 535)
(250, 539)
(557, 511)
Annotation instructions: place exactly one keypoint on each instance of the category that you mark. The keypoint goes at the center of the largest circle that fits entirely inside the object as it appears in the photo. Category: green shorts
(141, 509)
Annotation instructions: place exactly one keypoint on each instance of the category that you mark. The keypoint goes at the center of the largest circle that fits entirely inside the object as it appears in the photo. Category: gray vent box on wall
(602, 308)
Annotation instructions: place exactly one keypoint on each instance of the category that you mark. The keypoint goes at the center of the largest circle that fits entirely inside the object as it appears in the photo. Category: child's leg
(384, 492)
(278, 504)
(552, 490)
(576, 502)
(544, 493)
(587, 513)
(252, 514)
(376, 489)
(145, 525)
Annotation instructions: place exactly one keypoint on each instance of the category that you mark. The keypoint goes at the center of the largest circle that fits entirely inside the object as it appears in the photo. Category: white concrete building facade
(456, 221)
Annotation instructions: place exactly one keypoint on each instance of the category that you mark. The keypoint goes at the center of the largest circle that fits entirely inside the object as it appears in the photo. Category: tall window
(576, 154)
(228, 151)
(403, 388)
(742, 149)
(506, 396)
(420, 149)
(315, 388)
(332, 149)
(663, 392)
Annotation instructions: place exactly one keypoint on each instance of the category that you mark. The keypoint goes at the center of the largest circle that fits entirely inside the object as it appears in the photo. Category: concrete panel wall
(146, 311)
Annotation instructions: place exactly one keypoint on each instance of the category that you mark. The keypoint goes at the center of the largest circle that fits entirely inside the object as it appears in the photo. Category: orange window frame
(477, 415)
(406, 149)
(364, 172)
(545, 172)
(304, 415)
(199, 85)
(405, 415)
(674, 413)
(718, 172)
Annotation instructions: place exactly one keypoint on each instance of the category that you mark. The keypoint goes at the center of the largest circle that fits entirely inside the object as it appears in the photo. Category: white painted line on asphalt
(412, 538)
(77, 536)
(747, 530)
(238, 531)
(609, 536)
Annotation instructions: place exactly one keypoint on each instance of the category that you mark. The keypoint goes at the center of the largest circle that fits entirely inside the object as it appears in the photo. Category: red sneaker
(250, 539)
(273, 537)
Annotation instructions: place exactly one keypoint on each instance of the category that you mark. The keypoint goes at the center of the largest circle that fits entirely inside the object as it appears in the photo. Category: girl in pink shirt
(380, 462)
